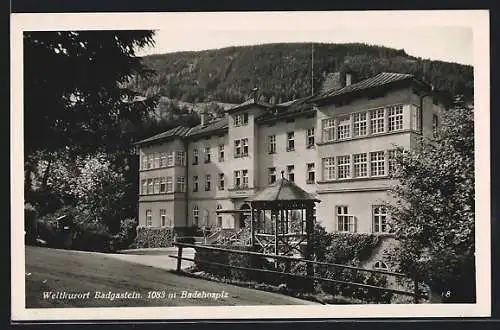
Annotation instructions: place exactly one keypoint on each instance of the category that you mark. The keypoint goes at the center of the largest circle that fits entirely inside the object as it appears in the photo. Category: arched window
(205, 218)
(196, 215)
(244, 216)
(380, 265)
(219, 216)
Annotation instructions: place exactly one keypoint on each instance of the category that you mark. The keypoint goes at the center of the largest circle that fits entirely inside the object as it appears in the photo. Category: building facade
(338, 144)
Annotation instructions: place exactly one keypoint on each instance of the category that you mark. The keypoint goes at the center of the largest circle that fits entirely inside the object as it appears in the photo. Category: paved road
(63, 271)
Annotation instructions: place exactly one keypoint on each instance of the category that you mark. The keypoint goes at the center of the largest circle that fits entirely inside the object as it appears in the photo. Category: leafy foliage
(342, 248)
(74, 88)
(283, 71)
(433, 212)
(153, 237)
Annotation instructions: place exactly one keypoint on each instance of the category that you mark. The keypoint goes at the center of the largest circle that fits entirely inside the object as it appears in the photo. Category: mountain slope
(284, 71)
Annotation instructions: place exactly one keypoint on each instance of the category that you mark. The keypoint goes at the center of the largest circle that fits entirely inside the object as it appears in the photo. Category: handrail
(267, 255)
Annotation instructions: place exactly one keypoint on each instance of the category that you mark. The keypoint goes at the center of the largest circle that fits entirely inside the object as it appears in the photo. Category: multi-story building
(338, 144)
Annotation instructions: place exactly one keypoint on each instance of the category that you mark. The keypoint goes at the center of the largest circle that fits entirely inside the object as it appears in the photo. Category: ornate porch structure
(282, 219)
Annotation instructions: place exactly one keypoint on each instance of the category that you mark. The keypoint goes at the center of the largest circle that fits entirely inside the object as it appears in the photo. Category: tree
(76, 98)
(433, 212)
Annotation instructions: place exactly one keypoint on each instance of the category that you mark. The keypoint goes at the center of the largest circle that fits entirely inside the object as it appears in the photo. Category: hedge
(153, 237)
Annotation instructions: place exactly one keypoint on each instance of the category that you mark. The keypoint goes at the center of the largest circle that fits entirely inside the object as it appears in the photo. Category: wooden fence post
(179, 258)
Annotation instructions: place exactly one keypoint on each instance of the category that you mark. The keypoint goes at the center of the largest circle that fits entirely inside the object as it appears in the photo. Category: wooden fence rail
(415, 293)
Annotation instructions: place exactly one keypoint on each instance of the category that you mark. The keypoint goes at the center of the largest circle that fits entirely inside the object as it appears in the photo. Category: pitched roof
(283, 190)
(214, 125)
(288, 109)
(248, 103)
(179, 131)
(381, 79)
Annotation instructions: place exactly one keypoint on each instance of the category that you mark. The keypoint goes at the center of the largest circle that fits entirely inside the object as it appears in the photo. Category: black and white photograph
(238, 165)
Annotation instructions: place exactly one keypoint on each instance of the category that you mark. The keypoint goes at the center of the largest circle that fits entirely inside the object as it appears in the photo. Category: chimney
(348, 79)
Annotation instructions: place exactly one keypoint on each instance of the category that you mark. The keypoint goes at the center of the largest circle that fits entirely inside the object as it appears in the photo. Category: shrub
(91, 236)
(126, 235)
(233, 259)
(50, 231)
(153, 237)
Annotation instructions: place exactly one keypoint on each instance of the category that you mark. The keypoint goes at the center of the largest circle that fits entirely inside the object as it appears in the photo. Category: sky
(430, 39)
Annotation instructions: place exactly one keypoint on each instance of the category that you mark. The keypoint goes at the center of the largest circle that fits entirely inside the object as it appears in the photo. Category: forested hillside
(284, 71)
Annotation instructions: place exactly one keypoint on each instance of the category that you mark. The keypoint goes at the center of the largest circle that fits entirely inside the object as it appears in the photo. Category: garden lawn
(53, 270)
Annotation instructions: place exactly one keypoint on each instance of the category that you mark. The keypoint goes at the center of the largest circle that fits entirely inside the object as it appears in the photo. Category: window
(237, 179)
(180, 158)
(434, 125)
(241, 119)
(195, 156)
(344, 128)
(240, 148)
(221, 181)
(391, 162)
(196, 215)
(377, 121)
(207, 155)
(395, 118)
(156, 160)
(377, 163)
(170, 159)
(244, 143)
(237, 148)
(360, 165)
(150, 161)
(343, 166)
(144, 187)
(290, 172)
(380, 265)
(144, 162)
(156, 184)
(314, 213)
(416, 118)
(311, 175)
(360, 124)
(221, 152)
(208, 179)
(310, 138)
(163, 217)
(328, 129)
(380, 219)
(163, 159)
(290, 138)
(205, 218)
(272, 174)
(181, 184)
(245, 178)
(170, 187)
(163, 186)
(237, 120)
(271, 144)
(345, 222)
(195, 183)
(219, 216)
(149, 218)
(150, 186)
(329, 168)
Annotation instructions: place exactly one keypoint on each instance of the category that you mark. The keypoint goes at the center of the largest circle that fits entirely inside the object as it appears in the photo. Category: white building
(337, 144)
